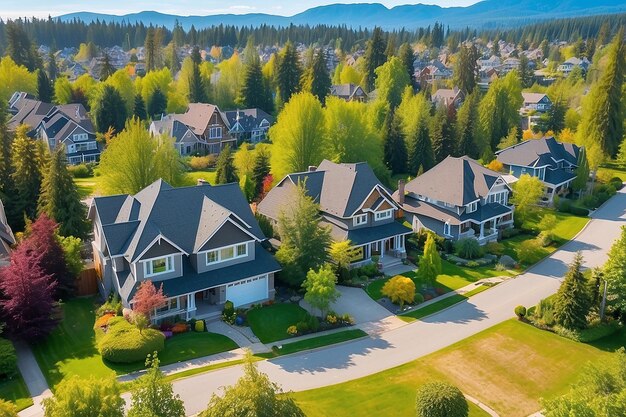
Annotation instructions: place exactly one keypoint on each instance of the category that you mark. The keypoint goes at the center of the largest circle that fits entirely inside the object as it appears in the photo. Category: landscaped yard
(191, 178)
(71, 348)
(270, 323)
(508, 367)
(441, 304)
(610, 170)
(15, 391)
(315, 342)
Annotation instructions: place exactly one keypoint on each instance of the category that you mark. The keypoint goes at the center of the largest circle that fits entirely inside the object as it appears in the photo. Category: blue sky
(43, 8)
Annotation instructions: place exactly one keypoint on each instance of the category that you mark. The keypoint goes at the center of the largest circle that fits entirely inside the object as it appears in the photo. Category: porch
(388, 250)
(486, 231)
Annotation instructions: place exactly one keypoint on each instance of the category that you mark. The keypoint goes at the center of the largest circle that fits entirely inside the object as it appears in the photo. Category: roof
(372, 234)
(185, 216)
(456, 181)
(482, 213)
(198, 116)
(539, 152)
(248, 119)
(533, 97)
(558, 176)
(346, 91)
(171, 126)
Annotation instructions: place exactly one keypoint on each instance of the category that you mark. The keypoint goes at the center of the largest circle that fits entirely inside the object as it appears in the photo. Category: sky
(43, 8)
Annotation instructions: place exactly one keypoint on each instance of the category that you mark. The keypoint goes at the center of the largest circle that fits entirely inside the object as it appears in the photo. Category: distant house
(493, 62)
(449, 97)
(568, 66)
(185, 140)
(202, 244)
(348, 92)
(458, 198)
(353, 203)
(249, 125)
(434, 72)
(510, 64)
(551, 161)
(7, 240)
(534, 105)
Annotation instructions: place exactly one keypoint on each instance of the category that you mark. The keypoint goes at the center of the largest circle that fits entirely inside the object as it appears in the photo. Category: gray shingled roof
(483, 212)
(249, 119)
(539, 152)
(173, 127)
(457, 181)
(345, 91)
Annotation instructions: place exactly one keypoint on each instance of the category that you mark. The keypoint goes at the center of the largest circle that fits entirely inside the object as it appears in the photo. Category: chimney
(401, 184)
(202, 181)
(312, 168)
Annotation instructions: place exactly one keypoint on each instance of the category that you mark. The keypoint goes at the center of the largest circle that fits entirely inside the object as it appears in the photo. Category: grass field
(270, 323)
(508, 367)
(16, 392)
(71, 348)
(315, 342)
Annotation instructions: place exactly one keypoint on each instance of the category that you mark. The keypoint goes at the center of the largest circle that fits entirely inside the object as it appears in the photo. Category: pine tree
(255, 92)
(289, 73)
(467, 127)
(107, 69)
(45, 91)
(19, 46)
(441, 133)
(53, 70)
(260, 170)
(26, 173)
(150, 49)
(407, 57)
(430, 261)
(318, 77)
(197, 89)
(525, 72)
(8, 195)
(374, 57)
(466, 70)
(420, 150)
(394, 145)
(59, 198)
(110, 110)
(224, 168)
(157, 104)
(173, 61)
(140, 108)
(573, 300)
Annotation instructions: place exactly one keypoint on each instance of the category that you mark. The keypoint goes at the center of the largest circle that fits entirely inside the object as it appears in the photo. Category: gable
(159, 248)
(228, 234)
(372, 200)
(384, 206)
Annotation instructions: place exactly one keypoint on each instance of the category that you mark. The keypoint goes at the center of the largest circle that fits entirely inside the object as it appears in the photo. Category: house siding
(229, 234)
(138, 269)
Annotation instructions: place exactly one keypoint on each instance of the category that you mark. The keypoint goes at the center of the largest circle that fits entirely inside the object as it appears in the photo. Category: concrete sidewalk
(34, 379)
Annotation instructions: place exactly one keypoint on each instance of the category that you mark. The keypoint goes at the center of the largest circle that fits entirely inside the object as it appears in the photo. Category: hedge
(8, 359)
(123, 343)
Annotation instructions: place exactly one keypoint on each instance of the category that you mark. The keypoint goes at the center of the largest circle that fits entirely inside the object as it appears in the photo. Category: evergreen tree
(394, 145)
(390, 51)
(289, 72)
(110, 110)
(573, 300)
(406, 55)
(466, 69)
(53, 70)
(442, 133)
(26, 175)
(582, 172)
(19, 46)
(420, 150)
(467, 127)
(430, 261)
(554, 119)
(173, 63)
(260, 170)
(107, 69)
(317, 80)
(615, 273)
(525, 72)
(374, 57)
(8, 194)
(255, 91)
(224, 168)
(157, 104)
(140, 108)
(150, 49)
(197, 89)
(59, 198)
(45, 91)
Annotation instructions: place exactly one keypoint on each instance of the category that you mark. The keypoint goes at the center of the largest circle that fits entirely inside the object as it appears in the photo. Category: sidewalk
(34, 379)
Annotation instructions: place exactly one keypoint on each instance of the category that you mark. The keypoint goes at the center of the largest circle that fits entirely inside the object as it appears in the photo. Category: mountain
(487, 13)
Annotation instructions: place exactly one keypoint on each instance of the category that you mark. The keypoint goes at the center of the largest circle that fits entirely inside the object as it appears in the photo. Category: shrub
(179, 328)
(347, 319)
(228, 313)
(617, 183)
(302, 327)
(597, 330)
(292, 330)
(472, 264)
(494, 248)
(564, 205)
(331, 318)
(419, 298)
(313, 323)
(80, 171)
(500, 267)
(113, 305)
(124, 343)
(520, 312)
(579, 211)
(545, 239)
(201, 163)
(103, 321)
(400, 290)
(440, 399)
(468, 248)
(8, 359)
(529, 251)
(199, 326)
(589, 201)
(507, 233)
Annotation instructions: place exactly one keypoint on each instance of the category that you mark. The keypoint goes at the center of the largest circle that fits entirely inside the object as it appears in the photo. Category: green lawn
(71, 348)
(315, 342)
(270, 323)
(191, 178)
(610, 170)
(442, 304)
(508, 367)
(15, 391)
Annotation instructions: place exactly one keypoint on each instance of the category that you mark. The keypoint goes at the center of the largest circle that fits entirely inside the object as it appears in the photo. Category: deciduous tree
(615, 273)
(148, 298)
(320, 288)
(527, 192)
(400, 290)
(92, 397)
(391, 81)
(440, 399)
(499, 108)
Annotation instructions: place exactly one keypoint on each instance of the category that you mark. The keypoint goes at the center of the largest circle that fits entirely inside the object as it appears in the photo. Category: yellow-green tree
(77, 397)
(15, 78)
(527, 192)
(400, 290)
(320, 287)
(430, 262)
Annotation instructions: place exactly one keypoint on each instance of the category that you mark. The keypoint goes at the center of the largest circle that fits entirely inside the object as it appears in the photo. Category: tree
(7, 409)
(467, 124)
(121, 81)
(298, 136)
(414, 113)
(320, 288)
(554, 119)
(139, 110)
(260, 170)
(147, 299)
(615, 273)
(26, 175)
(152, 49)
(197, 89)
(430, 262)
(253, 395)
(110, 110)
(510, 140)
(394, 146)
(153, 396)
(59, 198)
(573, 300)
(525, 72)
(391, 80)
(499, 108)
(466, 69)
(72, 247)
(406, 55)
(78, 397)
(420, 151)
(582, 172)
(400, 290)
(173, 62)
(442, 133)
(340, 253)
(374, 57)
(440, 399)
(52, 69)
(15, 78)
(45, 91)
(303, 241)
(527, 192)
(134, 159)
(289, 73)
(107, 69)
(225, 171)
(157, 104)
(19, 46)
(27, 304)
(255, 92)
(316, 79)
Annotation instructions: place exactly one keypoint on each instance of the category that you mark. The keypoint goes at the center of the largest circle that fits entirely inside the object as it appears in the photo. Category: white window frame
(383, 215)
(472, 207)
(80, 136)
(148, 267)
(218, 253)
(215, 132)
(446, 229)
(359, 220)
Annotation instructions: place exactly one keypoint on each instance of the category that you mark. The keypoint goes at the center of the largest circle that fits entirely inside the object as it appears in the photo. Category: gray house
(201, 243)
(353, 204)
(348, 92)
(249, 125)
(458, 198)
(553, 162)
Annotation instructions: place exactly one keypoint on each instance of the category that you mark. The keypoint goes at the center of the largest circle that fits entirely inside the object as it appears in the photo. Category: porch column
(382, 248)
(482, 230)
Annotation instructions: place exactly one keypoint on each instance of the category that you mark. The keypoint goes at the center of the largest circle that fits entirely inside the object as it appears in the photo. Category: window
(500, 197)
(359, 219)
(242, 250)
(215, 132)
(227, 253)
(446, 229)
(382, 215)
(472, 207)
(159, 266)
(79, 136)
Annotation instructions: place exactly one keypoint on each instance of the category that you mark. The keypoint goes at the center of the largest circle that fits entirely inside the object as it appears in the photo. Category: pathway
(33, 377)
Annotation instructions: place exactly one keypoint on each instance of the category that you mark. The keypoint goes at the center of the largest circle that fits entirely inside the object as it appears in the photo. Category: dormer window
(226, 253)
(360, 219)
(158, 266)
(383, 215)
(472, 207)
(215, 132)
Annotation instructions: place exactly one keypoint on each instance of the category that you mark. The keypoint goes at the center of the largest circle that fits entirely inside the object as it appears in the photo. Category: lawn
(15, 391)
(270, 323)
(315, 342)
(442, 304)
(191, 178)
(71, 348)
(509, 367)
(610, 170)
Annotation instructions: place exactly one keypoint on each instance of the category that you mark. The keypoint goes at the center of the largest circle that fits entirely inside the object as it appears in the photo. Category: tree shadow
(461, 313)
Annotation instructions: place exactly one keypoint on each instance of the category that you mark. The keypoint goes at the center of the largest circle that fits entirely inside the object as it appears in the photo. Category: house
(449, 97)
(493, 62)
(7, 240)
(348, 92)
(534, 105)
(353, 204)
(510, 64)
(250, 125)
(202, 244)
(568, 66)
(458, 198)
(186, 141)
(552, 162)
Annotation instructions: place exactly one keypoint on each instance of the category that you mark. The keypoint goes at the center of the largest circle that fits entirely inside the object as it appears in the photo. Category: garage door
(247, 291)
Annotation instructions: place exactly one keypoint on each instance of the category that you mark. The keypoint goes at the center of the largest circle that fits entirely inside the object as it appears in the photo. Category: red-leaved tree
(42, 239)
(147, 298)
(267, 185)
(28, 303)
